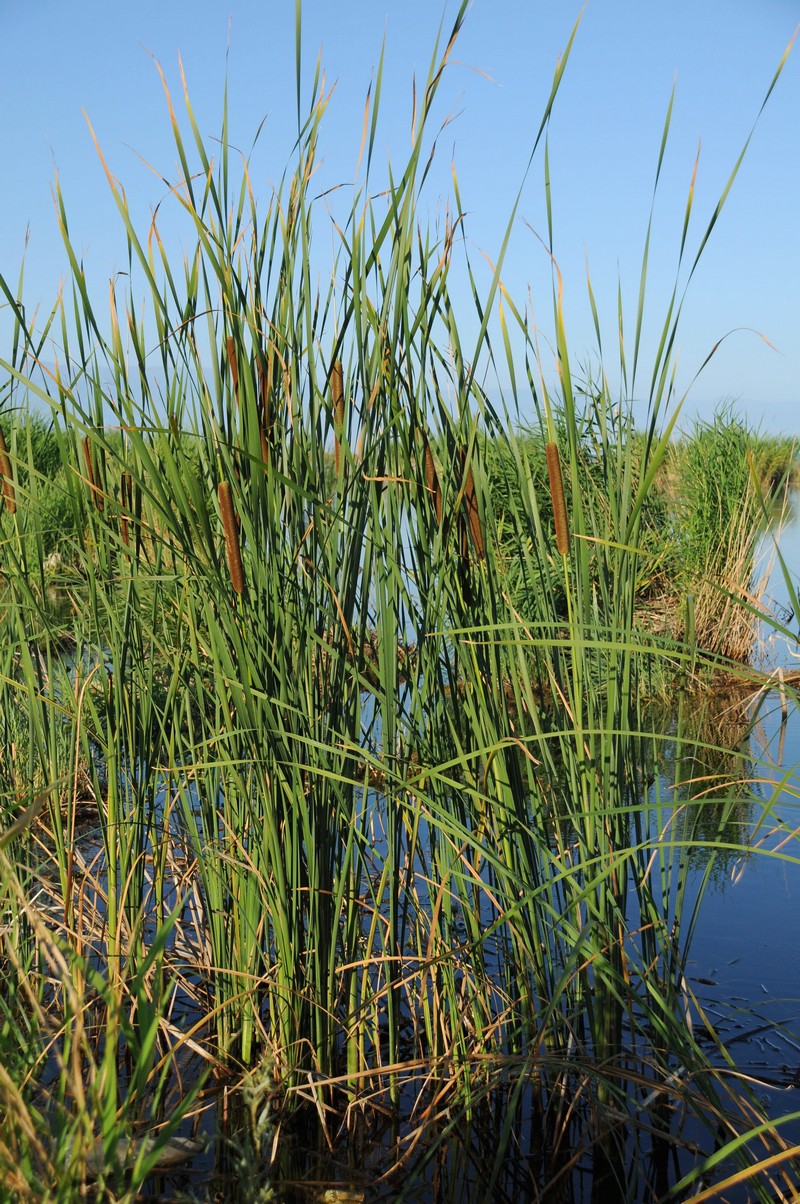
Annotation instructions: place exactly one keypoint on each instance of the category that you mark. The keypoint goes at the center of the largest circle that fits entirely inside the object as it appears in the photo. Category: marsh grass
(717, 490)
(728, 480)
(339, 835)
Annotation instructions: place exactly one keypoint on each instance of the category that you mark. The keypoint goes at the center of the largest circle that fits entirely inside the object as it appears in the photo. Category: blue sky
(604, 140)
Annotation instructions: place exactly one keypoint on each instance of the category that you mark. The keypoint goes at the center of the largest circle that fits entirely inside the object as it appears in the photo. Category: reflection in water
(521, 1132)
(707, 771)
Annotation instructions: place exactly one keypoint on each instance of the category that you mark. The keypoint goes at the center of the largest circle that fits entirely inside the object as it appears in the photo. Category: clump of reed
(77, 1119)
(398, 882)
(727, 480)
(715, 493)
(34, 483)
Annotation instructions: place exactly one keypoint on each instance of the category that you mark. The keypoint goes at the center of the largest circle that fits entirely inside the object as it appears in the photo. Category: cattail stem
(337, 388)
(265, 389)
(231, 529)
(7, 476)
(230, 344)
(473, 514)
(559, 500)
(126, 486)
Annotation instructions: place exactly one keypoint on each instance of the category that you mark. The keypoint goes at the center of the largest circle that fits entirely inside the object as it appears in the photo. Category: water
(745, 943)
(779, 649)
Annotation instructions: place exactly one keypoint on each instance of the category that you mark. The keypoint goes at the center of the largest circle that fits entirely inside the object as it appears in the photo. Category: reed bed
(701, 569)
(367, 841)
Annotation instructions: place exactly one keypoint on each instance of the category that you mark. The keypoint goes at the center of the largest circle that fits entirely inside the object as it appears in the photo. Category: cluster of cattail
(469, 519)
(6, 476)
(470, 530)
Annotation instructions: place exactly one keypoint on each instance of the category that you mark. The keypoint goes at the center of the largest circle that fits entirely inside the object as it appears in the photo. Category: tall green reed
(399, 829)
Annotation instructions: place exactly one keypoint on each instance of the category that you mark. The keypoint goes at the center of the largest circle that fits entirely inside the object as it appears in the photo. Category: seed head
(231, 530)
(559, 500)
(337, 388)
(432, 482)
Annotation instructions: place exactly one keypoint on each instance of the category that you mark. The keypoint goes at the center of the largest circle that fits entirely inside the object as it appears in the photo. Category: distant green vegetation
(328, 778)
(714, 493)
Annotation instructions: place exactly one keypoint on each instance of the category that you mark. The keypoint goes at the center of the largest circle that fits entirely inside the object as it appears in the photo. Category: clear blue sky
(60, 59)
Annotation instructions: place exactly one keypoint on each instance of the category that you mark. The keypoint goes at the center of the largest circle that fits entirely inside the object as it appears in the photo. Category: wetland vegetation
(336, 814)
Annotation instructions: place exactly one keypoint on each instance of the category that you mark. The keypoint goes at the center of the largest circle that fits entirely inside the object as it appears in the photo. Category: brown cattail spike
(231, 528)
(230, 344)
(473, 515)
(6, 476)
(432, 482)
(559, 500)
(87, 456)
(97, 494)
(337, 388)
(264, 445)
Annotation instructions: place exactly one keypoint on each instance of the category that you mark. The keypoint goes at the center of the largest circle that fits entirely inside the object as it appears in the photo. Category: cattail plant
(230, 345)
(7, 477)
(559, 500)
(473, 514)
(126, 489)
(337, 389)
(265, 389)
(231, 528)
(432, 481)
(91, 476)
(453, 875)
